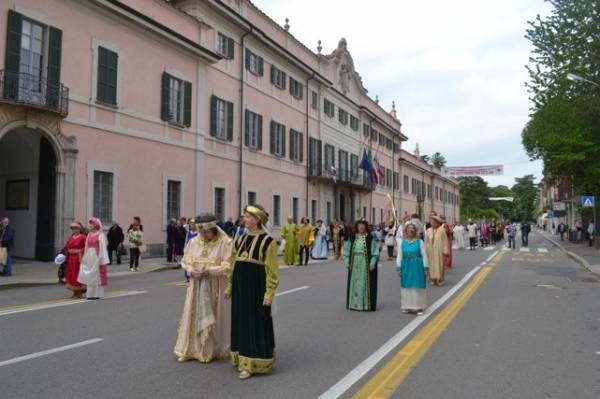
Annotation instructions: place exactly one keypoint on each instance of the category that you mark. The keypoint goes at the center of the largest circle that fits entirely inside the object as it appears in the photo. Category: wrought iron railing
(31, 90)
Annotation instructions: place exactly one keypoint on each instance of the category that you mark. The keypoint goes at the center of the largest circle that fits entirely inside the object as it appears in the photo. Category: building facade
(157, 109)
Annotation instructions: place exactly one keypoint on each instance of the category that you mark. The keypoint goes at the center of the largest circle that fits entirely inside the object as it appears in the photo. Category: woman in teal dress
(412, 267)
(361, 254)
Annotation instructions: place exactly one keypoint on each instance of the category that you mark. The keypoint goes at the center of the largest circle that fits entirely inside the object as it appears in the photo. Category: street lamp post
(577, 78)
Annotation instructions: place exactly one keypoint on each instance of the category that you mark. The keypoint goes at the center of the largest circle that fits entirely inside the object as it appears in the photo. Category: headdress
(96, 222)
(257, 213)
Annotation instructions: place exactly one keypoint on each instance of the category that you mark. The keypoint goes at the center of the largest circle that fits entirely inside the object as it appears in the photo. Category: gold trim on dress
(252, 365)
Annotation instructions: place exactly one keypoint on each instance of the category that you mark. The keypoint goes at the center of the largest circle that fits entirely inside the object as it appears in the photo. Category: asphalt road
(531, 330)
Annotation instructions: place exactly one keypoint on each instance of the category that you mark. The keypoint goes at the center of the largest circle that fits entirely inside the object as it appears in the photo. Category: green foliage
(526, 195)
(438, 160)
(505, 209)
(425, 158)
(474, 197)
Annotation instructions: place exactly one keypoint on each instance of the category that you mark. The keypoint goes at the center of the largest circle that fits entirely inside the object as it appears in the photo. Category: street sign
(588, 201)
(559, 206)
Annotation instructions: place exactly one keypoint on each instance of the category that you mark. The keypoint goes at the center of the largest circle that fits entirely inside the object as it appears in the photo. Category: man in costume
(337, 235)
(252, 284)
(288, 233)
(436, 247)
(361, 254)
(205, 324)
(306, 238)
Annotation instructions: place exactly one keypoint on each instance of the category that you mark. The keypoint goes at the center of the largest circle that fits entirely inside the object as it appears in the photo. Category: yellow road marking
(111, 294)
(177, 284)
(388, 379)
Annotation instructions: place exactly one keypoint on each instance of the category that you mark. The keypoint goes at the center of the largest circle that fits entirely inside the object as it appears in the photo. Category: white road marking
(489, 248)
(524, 249)
(505, 248)
(369, 363)
(42, 306)
(49, 352)
(292, 290)
(543, 250)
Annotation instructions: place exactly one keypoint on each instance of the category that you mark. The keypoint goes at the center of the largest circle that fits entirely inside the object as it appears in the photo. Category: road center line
(61, 302)
(49, 352)
(369, 363)
(292, 290)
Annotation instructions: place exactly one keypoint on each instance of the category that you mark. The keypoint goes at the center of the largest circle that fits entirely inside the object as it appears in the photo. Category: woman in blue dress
(412, 267)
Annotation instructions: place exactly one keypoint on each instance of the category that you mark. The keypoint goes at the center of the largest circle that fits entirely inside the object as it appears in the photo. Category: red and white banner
(465, 171)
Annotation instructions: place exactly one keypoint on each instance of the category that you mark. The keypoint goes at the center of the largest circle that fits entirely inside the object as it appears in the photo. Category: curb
(571, 255)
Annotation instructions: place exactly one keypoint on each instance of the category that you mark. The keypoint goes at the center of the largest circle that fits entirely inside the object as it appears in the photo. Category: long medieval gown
(448, 255)
(436, 246)
(290, 253)
(255, 277)
(93, 272)
(361, 254)
(459, 236)
(412, 265)
(74, 252)
(320, 249)
(205, 325)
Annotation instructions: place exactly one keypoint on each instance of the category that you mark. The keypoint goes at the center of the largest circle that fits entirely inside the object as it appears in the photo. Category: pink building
(157, 109)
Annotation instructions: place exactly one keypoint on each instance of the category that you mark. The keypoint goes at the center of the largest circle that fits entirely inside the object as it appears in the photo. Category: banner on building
(466, 171)
(509, 199)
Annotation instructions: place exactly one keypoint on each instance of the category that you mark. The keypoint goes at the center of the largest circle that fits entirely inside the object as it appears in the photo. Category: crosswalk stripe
(489, 248)
(543, 250)
(505, 248)
(524, 249)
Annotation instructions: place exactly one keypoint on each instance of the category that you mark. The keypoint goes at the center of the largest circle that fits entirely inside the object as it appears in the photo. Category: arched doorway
(28, 187)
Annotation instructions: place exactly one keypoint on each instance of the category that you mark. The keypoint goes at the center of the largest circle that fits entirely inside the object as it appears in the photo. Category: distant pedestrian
(591, 232)
(472, 232)
(436, 245)
(337, 236)
(136, 240)
(290, 252)
(74, 249)
(320, 249)
(459, 236)
(115, 238)
(93, 272)
(228, 227)
(448, 231)
(562, 229)
(240, 228)
(511, 232)
(525, 230)
(305, 237)
(136, 221)
(180, 236)
(171, 238)
(191, 234)
(411, 265)
(390, 241)
(7, 244)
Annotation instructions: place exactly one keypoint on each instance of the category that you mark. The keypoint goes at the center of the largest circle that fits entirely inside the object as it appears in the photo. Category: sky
(456, 69)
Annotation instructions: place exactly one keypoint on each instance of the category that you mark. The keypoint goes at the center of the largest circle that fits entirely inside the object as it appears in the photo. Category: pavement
(581, 252)
(517, 323)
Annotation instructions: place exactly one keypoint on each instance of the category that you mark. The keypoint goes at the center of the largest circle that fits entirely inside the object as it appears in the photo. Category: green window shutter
(101, 92)
(247, 60)
(230, 47)
(229, 121)
(112, 62)
(260, 133)
(213, 116)
(283, 143)
(53, 71)
(247, 129)
(283, 79)
(273, 70)
(164, 98)
(260, 66)
(319, 157)
(273, 126)
(13, 54)
(292, 148)
(291, 86)
(301, 147)
(187, 104)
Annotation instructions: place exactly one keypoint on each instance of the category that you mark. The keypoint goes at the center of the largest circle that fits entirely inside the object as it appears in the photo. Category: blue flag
(365, 163)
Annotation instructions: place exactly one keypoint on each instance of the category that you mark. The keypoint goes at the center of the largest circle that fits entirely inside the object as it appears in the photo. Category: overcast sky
(455, 69)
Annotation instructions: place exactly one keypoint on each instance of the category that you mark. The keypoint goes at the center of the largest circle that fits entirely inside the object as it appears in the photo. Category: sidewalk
(586, 256)
(28, 272)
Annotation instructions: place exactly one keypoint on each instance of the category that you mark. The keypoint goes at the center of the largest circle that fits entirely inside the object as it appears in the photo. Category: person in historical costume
(74, 253)
(484, 234)
(459, 236)
(320, 250)
(337, 236)
(361, 254)
(290, 252)
(448, 230)
(205, 326)
(390, 240)
(436, 246)
(411, 265)
(252, 283)
(305, 237)
(93, 271)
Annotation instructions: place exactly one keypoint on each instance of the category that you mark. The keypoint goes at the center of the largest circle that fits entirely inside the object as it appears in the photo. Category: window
(372, 215)
(329, 157)
(225, 46)
(413, 186)
(342, 171)
(314, 103)
(221, 118)
(429, 191)
(382, 179)
(437, 193)
(315, 157)
(353, 166)
(328, 108)
(295, 203)
(388, 177)
(31, 61)
(406, 188)
(396, 180)
(173, 199)
(107, 76)
(176, 100)
(276, 210)
(343, 116)
(103, 195)
(329, 211)
(382, 139)
(381, 215)
(388, 143)
(296, 146)
(364, 212)
(219, 204)
(296, 88)
(277, 77)
(253, 131)
(313, 210)
(396, 147)
(251, 198)
(366, 130)
(254, 63)
(374, 134)
(277, 139)
(353, 122)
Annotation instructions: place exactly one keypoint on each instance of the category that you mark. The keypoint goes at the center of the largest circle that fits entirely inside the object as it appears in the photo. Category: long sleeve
(424, 256)
(374, 254)
(222, 269)
(346, 253)
(229, 271)
(399, 258)
(187, 262)
(444, 242)
(272, 270)
(103, 250)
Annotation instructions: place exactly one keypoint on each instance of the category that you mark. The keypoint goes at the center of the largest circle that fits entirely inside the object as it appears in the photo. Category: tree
(438, 160)
(505, 209)
(425, 158)
(474, 197)
(526, 196)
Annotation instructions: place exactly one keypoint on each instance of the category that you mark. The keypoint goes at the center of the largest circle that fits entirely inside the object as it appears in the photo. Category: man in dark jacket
(7, 240)
(115, 239)
(525, 230)
(171, 239)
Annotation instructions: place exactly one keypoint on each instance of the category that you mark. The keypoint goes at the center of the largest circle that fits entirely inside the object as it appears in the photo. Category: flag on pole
(365, 164)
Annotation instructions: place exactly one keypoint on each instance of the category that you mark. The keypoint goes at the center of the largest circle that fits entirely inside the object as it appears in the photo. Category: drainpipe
(308, 94)
(242, 118)
(370, 151)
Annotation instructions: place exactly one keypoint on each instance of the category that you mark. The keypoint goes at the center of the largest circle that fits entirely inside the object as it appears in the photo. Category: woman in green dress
(252, 284)
(288, 233)
(361, 255)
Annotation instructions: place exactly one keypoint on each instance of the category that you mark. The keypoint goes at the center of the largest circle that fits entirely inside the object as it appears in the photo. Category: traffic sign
(588, 201)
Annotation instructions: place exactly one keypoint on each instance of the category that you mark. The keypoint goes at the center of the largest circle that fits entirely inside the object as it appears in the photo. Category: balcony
(33, 91)
(343, 179)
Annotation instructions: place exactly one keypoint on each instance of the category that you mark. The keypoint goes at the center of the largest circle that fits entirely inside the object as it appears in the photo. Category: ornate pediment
(345, 72)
